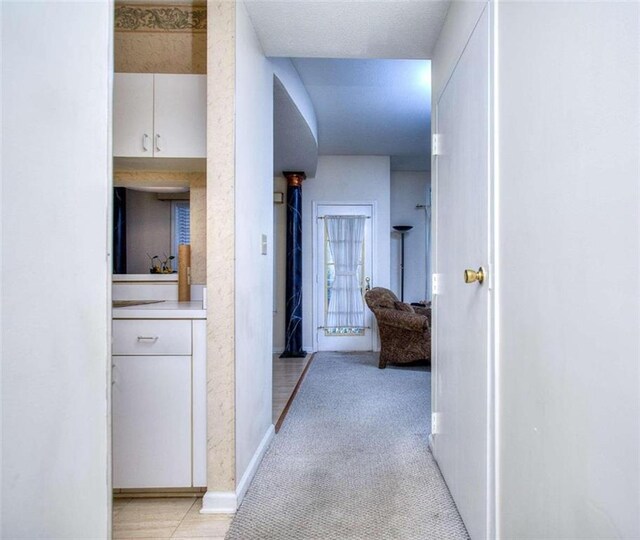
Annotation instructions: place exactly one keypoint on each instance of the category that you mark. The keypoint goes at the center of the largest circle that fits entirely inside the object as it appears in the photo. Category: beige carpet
(351, 461)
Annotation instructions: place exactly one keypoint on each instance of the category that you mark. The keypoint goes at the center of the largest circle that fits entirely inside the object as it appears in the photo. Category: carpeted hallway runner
(351, 461)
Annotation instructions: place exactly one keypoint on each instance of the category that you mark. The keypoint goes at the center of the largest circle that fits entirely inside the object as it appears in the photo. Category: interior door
(462, 310)
(333, 332)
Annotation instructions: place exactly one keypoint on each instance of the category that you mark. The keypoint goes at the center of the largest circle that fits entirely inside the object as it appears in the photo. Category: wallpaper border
(160, 18)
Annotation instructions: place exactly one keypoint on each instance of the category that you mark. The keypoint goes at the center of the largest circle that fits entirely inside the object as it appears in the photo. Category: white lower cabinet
(158, 407)
(151, 421)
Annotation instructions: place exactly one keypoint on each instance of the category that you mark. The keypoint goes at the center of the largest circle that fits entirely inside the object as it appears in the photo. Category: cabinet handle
(147, 338)
(158, 143)
(145, 142)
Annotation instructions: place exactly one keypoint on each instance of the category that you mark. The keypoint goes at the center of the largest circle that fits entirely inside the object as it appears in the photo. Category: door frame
(493, 257)
(375, 340)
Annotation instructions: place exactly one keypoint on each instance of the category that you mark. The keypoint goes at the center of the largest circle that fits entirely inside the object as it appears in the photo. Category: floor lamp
(402, 229)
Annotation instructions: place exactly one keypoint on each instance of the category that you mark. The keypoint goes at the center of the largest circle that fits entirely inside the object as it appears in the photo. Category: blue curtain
(119, 230)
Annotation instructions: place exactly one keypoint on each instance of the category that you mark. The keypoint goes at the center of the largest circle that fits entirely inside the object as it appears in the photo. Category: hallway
(351, 460)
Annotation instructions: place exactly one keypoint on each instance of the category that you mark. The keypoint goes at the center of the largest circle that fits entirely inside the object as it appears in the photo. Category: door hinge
(435, 423)
(436, 144)
(436, 284)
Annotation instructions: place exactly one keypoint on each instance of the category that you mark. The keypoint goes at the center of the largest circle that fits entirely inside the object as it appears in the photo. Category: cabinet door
(133, 115)
(180, 108)
(151, 421)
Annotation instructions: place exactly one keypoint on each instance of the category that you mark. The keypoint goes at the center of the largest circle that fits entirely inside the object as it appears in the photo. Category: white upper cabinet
(133, 115)
(159, 115)
(180, 116)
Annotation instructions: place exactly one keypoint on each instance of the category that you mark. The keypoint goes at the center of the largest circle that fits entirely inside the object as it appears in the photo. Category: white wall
(284, 69)
(148, 230)
(407, 190)
(254, 217)
(56, 65)
(1, 274)
(280, 269)
(255, 336)
(568, 282)
(460, 22)
(342, 179)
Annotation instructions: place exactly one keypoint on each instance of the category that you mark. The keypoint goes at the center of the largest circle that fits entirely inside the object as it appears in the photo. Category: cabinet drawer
(156, 337)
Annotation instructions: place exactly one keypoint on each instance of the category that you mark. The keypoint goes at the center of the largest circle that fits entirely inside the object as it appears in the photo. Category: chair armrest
(422, 310)
(402, 319)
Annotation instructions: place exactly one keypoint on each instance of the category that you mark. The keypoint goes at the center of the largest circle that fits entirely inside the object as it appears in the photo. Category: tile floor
(177, 517)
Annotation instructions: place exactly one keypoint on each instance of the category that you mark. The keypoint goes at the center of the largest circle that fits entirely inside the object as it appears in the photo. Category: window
(180, 227)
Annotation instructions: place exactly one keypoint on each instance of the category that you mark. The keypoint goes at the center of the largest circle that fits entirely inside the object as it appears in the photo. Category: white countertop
(162, 310)
(146, 277)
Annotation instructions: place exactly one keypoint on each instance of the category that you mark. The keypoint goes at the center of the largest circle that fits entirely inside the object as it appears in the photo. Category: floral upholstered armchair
(405, 331)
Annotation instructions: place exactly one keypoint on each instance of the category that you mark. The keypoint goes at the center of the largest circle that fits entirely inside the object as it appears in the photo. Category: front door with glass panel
(343, 260)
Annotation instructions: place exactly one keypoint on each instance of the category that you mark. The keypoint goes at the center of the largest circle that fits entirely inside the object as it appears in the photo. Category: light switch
(436, 284)
(264, 244)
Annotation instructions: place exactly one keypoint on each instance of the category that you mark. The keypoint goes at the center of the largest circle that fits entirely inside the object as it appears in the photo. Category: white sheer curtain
(345, 236)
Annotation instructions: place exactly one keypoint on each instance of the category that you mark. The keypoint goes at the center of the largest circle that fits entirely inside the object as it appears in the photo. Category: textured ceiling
(348, 28)
(372, 107)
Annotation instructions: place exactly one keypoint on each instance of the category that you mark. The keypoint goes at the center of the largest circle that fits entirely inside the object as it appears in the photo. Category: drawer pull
(147, 338)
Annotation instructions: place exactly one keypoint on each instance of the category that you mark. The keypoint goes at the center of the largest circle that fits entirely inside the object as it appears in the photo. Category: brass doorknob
(471, 275)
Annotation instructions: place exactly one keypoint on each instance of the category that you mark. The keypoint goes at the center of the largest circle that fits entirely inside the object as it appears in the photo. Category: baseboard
(278, 350)
(248, 475)
(219, 502)
(227, 502)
